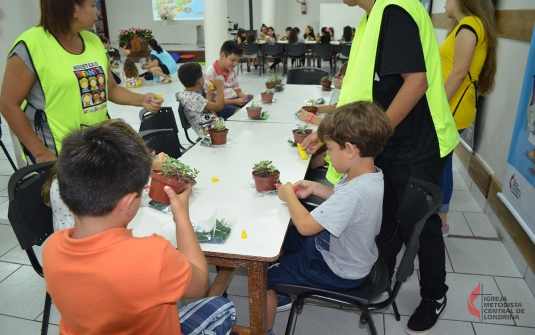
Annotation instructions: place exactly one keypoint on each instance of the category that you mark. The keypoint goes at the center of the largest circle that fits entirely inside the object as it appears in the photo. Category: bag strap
(476, 87)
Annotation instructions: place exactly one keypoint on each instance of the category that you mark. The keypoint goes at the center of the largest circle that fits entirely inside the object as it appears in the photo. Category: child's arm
(303, 221)
(187, 243)
(220, 102)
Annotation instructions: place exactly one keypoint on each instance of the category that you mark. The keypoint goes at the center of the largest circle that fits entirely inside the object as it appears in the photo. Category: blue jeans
(227, 111)
(446, 183)
(209, 316)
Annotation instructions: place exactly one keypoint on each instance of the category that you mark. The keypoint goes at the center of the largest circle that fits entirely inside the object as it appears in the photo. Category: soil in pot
(266, 184)
(311, 109)
(254, 113)
(298, 137)
(267, 98)
(158, 182)
(326, 84)
(272, 85)
(218, 138)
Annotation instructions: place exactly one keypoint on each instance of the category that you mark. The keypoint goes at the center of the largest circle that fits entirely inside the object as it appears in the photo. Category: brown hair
(361, 123)
(57, 15)
(130, 69)
(343, 69)
(483, 10)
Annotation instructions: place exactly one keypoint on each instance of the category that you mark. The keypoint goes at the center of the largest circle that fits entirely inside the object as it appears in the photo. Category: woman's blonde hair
(484, 10)
(130, 69)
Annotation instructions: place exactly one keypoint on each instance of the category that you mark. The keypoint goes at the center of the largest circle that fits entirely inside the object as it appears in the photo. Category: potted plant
(271, 83)
(301, 133)
(278, 80)
(218, 133)
(310, 106)
(174, 174)
(267, 96)
(254, 111)
(326, 82)
(265, 176)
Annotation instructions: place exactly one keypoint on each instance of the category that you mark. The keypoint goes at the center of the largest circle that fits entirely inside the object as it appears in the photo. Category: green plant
(310, 102)
(301, 128)
(219, 126)
(264, 169)
(326, 79)
(277, 78)
(172, 167)
(254, 105)
(271, 80)
(267, 91)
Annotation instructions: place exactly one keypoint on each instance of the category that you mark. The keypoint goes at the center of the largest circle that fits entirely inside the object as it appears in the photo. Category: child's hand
(305, 188)
(218, 83)
(303, 114)
(283, 191)
(151, 103)
(338, 82)
(158, 161)
(179, 202)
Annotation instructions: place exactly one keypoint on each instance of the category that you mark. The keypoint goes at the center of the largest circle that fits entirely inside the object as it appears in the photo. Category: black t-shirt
(399, 50)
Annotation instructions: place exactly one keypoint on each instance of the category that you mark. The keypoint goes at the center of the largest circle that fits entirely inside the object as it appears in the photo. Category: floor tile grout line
(501, 294)
(2, 255)
(469, 227)
(9, 275)
(448, 255)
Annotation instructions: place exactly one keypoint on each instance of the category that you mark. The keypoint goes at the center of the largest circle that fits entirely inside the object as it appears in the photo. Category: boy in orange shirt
(101, 278)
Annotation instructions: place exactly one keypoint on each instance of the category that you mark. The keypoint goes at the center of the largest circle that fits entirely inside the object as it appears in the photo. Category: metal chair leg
(46, 314)
(8, 156)
(297, 306)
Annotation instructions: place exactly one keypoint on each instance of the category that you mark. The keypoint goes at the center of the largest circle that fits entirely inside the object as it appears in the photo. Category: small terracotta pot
(326, 84)
(311, 109)
(267, 98)
(266, 184)
(271, 85)
(218, 138)
(298, 137)
(278, 82)
(158, 182)
(254, 113)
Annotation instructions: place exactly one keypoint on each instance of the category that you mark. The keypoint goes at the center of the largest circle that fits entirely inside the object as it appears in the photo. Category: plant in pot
(174, 174)
(278, 80)
(218, 133)
(301, 133)
(326, 82)
(254, 111)
(271, 82)
(310, 106)
(265, 176)
(267, 96)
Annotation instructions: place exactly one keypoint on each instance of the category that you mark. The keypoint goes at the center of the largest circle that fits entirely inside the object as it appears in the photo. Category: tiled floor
(474, 255)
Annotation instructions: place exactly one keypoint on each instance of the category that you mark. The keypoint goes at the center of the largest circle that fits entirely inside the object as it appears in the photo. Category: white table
(265, 218)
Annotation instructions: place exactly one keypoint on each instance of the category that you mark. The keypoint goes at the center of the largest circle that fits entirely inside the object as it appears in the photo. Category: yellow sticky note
(214, 179)
(244, 234)
(302, 153)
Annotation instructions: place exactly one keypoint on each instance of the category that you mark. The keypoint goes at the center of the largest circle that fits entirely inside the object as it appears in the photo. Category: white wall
(15, 17)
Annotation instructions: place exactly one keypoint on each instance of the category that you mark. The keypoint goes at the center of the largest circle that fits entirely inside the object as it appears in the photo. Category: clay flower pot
(254, 113)
(326, 84)
(298, 137)
(278, 82)
(218, 138)
(264, 184)
(158, 182)
(311, 109)
(267, 98)
(271, 85)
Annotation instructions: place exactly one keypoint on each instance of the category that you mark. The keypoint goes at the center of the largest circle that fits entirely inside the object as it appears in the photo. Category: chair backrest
(296, 49)
(30, 218)
(182, 116)
(345, 49)
(249, 49)
(321, 50)
(272, 49)
(420, 200)
(305, 75)
(164, 119)
(162, 140)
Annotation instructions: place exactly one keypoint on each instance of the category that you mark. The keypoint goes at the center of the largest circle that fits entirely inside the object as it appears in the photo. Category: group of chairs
(296, 52)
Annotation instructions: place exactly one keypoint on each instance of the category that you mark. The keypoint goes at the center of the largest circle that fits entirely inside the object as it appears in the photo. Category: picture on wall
(169, 10)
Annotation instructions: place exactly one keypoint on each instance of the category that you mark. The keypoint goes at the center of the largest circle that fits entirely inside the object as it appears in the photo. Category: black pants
(432, 255)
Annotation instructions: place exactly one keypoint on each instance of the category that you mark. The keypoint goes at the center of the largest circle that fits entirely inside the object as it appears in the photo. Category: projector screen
(178, 9)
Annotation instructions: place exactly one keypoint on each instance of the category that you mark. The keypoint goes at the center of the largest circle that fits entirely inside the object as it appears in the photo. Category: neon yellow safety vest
(358, 81)
(74, 86)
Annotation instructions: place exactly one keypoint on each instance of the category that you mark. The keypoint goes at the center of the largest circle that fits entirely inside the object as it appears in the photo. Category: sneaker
(445, 230)
(284, 303)
(425, 317)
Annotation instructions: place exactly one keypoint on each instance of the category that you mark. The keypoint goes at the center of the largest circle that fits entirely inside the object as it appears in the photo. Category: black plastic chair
(420, 200)
(271, 50)
(5, 149)
(321, 51)
(184, 122)
(294, 51)
(249, 50)
(305, 76)
(164, 119)
(162, 140)
(343, 54)
(30, 218)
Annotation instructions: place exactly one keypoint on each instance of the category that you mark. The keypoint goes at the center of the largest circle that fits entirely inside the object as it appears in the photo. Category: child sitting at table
(333, 247)
(200, 111)
(229, 57)
(101, 278)
(130, 74)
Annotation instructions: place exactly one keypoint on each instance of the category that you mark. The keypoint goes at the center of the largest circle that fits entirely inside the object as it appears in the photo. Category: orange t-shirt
(114, 283)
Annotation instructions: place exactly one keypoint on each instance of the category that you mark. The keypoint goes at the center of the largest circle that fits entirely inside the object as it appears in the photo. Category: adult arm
(123, 96)
(465, 44)
(413, 88)
(18, 81)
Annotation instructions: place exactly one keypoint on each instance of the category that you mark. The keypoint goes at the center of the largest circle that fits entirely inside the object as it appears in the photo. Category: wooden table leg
(258, 297)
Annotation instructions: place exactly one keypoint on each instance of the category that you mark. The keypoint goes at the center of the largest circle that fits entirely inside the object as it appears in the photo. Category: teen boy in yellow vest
(395, 61)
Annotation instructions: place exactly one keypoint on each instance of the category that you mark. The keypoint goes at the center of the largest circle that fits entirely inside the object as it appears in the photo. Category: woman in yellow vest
(468, 67)
(55, 76)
